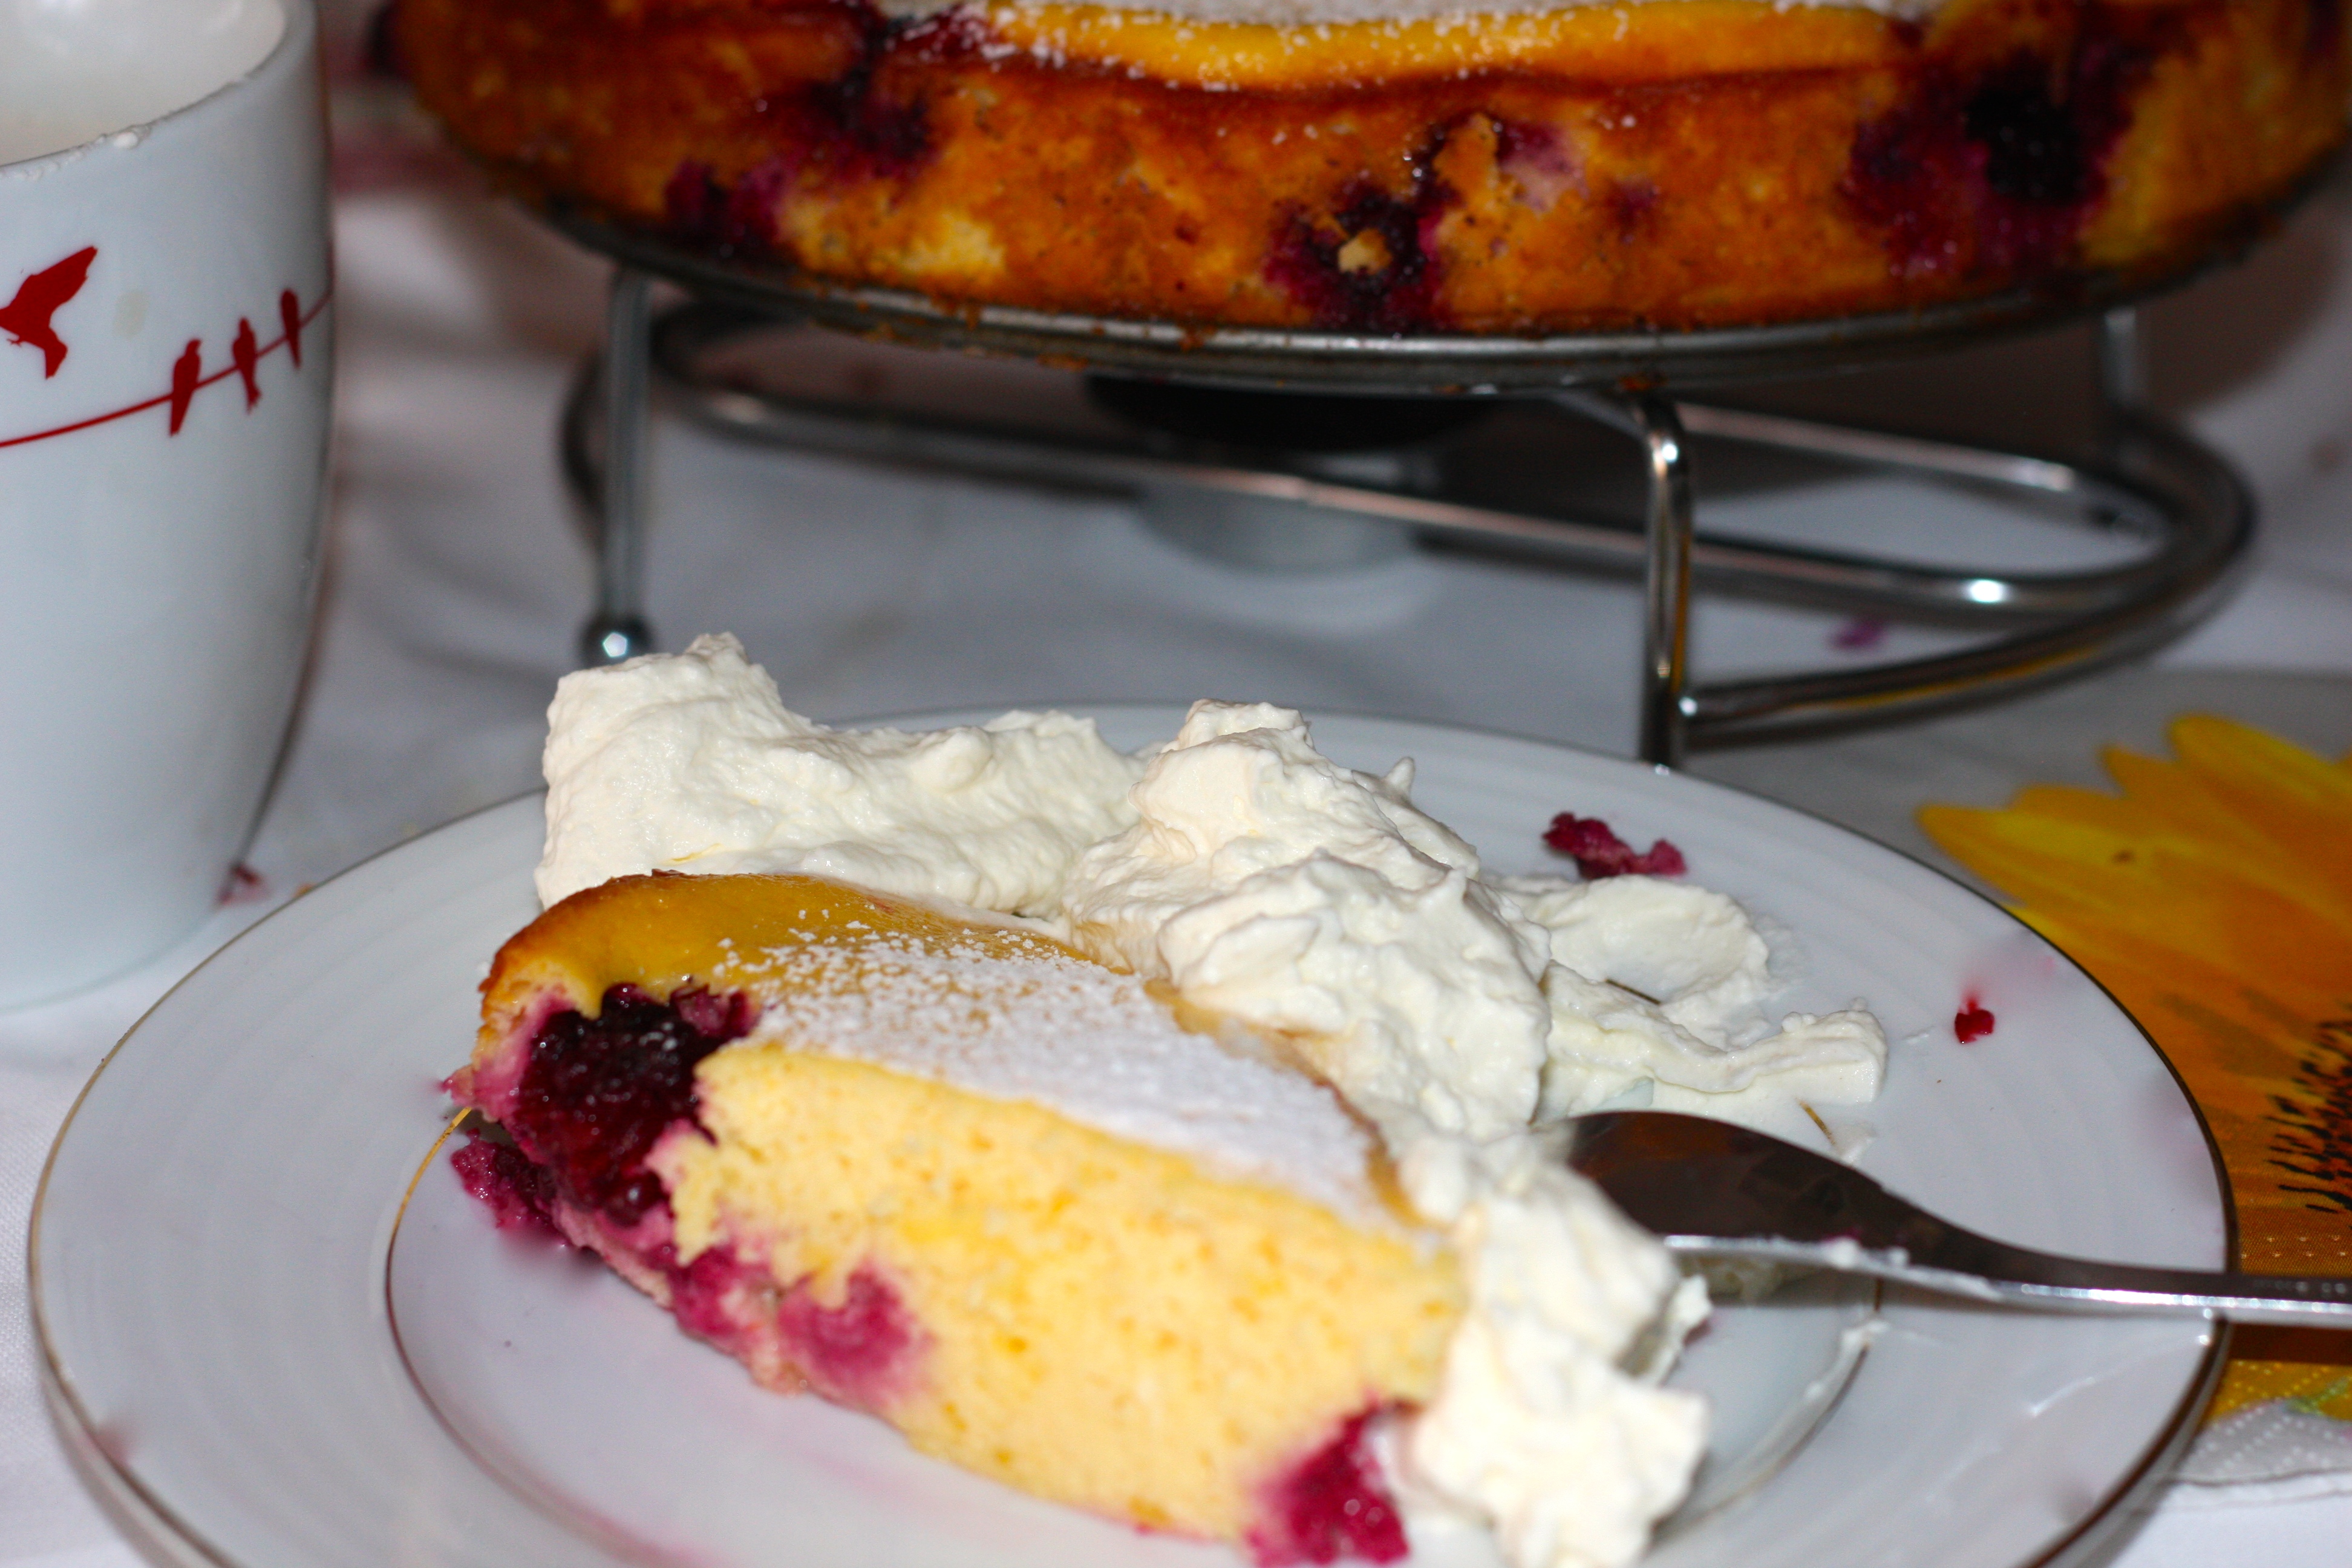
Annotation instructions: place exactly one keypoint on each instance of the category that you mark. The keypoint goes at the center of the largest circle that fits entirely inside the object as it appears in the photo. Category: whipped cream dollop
(1550, 1425)
(694, 763)
(1266, 883)
(1260, 882)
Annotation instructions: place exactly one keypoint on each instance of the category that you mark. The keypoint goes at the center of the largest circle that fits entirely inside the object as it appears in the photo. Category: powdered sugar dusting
(1080, 1039)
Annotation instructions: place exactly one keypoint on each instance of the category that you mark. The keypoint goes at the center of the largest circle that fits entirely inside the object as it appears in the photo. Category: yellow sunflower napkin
(2213, 897)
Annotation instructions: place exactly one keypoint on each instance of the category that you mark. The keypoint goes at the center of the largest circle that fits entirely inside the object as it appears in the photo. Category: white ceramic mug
(166, 351)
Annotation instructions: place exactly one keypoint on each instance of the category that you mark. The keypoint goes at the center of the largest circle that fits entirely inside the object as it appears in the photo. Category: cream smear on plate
(1264, 884)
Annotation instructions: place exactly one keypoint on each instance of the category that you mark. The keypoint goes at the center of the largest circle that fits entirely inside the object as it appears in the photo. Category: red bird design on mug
(25, 318)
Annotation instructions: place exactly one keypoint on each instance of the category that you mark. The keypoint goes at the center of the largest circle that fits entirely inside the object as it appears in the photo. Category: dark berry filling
(865, 126)
(1522, 146)
(598, 1093)
(734, 218)
(855, 126)
(594, 1097)
(695, 204)
(1599, 852)
(2033, 145)
(517, 1193)
(709, 1294)
(1972, 1022)
(1629, 204)
(1995, 171)
(855, 1353)
(1370, 265)
(1334, 1505)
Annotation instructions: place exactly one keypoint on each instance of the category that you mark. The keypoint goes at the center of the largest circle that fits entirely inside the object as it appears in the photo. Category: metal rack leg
(1665, 630)
(2123, 366)
(2119, 398)
(617, 630)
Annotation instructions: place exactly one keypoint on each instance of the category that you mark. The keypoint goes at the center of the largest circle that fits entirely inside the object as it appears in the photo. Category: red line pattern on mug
(188, 376)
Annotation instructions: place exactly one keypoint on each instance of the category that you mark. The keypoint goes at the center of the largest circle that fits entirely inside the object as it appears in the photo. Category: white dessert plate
(278, 1335)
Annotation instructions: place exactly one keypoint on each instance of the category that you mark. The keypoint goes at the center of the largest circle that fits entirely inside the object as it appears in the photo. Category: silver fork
(1710, 1189)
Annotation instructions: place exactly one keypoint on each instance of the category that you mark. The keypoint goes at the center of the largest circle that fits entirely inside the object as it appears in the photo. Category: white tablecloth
(458, 583)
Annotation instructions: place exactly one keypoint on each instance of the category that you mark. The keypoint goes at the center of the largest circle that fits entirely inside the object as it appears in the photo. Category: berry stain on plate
(1599, 852)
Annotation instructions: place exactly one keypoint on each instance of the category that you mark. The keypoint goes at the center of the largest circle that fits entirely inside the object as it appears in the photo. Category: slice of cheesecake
(964, 1178)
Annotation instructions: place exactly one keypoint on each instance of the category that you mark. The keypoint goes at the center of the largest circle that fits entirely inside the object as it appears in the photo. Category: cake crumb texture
(1107, 1325)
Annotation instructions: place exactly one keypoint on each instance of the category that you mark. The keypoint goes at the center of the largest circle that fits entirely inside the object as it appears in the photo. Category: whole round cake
(1403, 166)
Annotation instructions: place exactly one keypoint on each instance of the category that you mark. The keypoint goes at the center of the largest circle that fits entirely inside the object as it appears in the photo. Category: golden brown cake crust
(1664, 162)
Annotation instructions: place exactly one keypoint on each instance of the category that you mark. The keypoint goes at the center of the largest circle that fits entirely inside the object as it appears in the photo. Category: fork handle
(1979, 1268)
